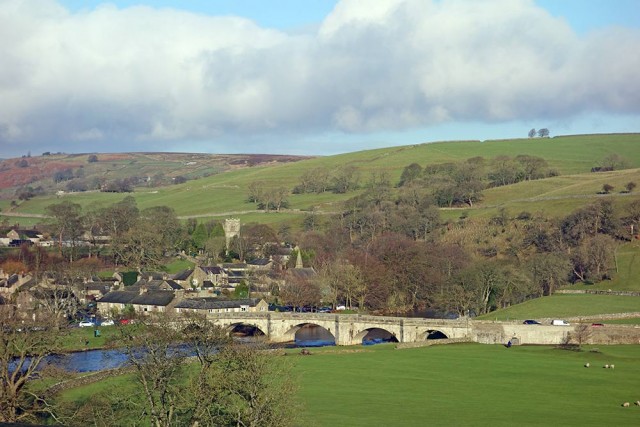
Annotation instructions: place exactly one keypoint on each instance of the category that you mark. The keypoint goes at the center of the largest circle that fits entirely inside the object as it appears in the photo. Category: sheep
(625, 405)
(606, 366)
(586, 365)
(612, 366)
(637, 403)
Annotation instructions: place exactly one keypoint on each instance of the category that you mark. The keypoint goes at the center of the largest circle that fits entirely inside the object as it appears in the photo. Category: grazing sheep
(625, 405)
(612, 366)
(606, 366)
(637, 403)
(586, 365)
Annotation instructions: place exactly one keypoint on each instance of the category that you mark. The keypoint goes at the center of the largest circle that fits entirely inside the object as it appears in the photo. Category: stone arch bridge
(346, 329)
(350, 329)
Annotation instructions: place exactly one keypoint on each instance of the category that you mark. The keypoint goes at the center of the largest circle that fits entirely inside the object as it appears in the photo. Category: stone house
(10, 283)
(260, 264)
(22, 235)
(202, 277)
(142, 300)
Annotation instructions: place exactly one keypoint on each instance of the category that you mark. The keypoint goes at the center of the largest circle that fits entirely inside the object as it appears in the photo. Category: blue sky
(313, 76)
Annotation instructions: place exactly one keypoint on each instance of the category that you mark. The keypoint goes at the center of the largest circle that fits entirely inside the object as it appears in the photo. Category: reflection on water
(378, 336)
(314, 336)
(88, 361)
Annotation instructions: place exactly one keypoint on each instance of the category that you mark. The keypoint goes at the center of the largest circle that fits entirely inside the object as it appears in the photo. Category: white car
(107, 322)
(86, 324)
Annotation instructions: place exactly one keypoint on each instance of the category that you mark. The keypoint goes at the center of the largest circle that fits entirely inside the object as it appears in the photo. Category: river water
(98, 360)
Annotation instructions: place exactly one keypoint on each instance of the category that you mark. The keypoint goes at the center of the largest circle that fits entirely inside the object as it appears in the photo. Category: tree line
(390, 252)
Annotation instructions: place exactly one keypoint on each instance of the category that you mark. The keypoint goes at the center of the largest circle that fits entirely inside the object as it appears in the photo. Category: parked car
(107, 322)
(86, 324)
(126, 321)
(531, 322)
(559, 322)
(341, 307)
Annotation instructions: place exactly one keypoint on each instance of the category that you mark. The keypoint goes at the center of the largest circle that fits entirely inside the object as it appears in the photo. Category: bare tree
(23, 348)
(580, 335)
(607, 188)
(66, 222)
(150, 346)
(223, 385)
(300, 291)
(255, 388)
(630, 186)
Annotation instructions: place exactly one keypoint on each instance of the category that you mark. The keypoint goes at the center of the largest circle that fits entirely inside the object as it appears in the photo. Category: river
(102, 359)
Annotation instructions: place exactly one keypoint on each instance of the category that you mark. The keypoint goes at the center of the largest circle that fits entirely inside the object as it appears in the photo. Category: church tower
(231, 229)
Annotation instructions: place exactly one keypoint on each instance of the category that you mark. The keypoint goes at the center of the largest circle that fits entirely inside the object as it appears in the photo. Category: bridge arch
(244, 329)
(374, 335)
(434, 334)
(321, 335)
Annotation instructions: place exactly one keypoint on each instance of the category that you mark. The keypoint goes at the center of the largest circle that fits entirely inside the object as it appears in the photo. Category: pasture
(562, 306)
(470, 384)
(459, 384)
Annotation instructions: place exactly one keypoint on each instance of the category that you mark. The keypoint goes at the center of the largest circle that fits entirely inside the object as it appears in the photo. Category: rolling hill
(226, 193)
(53, 172)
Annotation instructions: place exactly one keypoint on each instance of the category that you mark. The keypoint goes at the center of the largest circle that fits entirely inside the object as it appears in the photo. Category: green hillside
(226, 193)
(562, 306)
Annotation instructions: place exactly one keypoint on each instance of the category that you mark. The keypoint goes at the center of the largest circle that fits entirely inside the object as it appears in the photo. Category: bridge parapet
(350, 329)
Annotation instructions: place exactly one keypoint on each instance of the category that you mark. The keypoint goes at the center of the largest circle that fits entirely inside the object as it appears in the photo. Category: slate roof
(302, 273)
(215, 303)
(98, 286)
(30, 234)
(234, 266)
(283, 251)
(12, 279)
(153, 285)
(157, 298)
(183, 275)
(260, 261)
(212, 270)
(174, 285)
(154, 275)
(119, 297)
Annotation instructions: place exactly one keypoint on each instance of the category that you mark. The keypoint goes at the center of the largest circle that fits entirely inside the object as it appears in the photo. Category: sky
(313, 77)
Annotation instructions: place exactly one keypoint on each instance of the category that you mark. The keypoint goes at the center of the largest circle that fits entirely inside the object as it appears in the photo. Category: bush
(524, 216)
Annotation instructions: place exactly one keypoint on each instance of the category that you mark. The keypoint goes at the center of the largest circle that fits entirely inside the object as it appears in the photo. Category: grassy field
(459, 385)
(78, 339)
(628, 275)
(562, 306)
(470, 385)
(178, 265)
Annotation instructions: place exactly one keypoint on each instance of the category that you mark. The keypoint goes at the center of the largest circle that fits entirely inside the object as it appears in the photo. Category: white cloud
(141, 75)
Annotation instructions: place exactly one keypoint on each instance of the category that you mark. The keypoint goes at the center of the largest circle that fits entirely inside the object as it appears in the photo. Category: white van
(559, 322)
